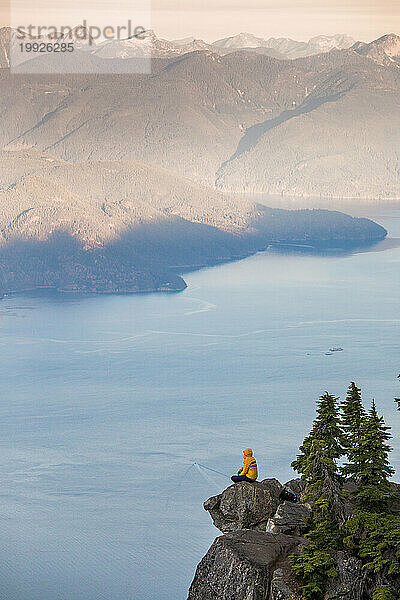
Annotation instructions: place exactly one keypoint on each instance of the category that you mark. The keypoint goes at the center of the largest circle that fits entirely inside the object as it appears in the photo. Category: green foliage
(353, 412)
(384, 592)
(376, 537)
(317, 464)
(353, 420)
(373, 533)
(314, 565)
(325, 438)
(372, 461)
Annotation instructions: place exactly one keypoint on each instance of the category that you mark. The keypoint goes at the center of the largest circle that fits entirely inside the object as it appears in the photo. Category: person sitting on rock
(249, 470)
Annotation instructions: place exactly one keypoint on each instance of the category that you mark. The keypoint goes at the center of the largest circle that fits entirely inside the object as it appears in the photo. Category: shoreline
(297, 247)
(325, 200)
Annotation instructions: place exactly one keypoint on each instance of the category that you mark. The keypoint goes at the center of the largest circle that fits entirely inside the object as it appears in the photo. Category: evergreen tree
(317, 465)
(374, 530)
(371, 460)
(325, 439)
(315, 564)
(353, 418)
(353, 412)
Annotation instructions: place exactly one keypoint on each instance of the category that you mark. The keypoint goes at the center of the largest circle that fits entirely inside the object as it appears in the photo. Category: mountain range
(118, 182)
(283, 48)
(385, 51)
(149, 44)
(286, 48)
(325, 125)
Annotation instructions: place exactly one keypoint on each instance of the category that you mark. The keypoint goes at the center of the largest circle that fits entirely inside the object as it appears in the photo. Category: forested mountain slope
(120, 226)
(322, 125)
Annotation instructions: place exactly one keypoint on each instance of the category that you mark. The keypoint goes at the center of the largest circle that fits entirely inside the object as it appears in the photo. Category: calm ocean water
(107, 402)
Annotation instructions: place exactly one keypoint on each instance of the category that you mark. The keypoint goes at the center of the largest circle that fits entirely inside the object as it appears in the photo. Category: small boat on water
(335, 349)
(328, 353)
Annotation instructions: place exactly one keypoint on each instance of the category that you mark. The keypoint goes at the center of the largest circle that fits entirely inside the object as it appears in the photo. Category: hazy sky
(212, 19)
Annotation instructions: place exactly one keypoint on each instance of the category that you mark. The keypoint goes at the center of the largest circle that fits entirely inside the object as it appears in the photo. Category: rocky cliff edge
(251, 560)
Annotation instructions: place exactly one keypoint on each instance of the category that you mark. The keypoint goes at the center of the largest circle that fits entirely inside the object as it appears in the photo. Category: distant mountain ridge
(286, 47)
(150, 45)
(384, 51)
(147, 45)
(102, 175)
(325, 125)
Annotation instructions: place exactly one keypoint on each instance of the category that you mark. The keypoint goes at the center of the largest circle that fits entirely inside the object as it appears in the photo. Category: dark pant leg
(238, 478)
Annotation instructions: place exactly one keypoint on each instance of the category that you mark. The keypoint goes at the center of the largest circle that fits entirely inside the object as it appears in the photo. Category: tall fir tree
(353, 419)
(317, 465)
(325, 439)
(374, 529)
(371, 463)
(353, 412)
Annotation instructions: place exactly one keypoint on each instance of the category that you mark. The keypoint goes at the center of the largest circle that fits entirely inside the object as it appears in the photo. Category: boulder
(282, 588)
(350, 582)
(348, 585)
(240, 566)
(252, 560)
(244, 505)
(289, 518)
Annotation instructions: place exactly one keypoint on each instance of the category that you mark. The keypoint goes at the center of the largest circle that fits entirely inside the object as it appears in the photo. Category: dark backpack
(288, 495)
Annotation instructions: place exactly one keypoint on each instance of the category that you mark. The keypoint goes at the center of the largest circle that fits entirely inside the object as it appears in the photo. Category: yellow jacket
(250, 465)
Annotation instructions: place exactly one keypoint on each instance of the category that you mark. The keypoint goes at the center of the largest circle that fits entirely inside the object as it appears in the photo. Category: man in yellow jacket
(249, 470)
